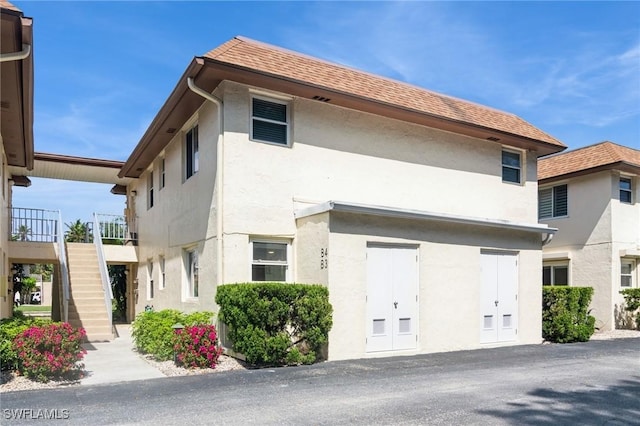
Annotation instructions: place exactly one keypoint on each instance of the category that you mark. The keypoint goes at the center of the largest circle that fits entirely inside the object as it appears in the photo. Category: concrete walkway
(116, 361)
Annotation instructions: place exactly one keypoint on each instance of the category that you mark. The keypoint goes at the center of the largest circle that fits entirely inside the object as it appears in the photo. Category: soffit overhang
(81, 169)
(16, 89)
(209, 73)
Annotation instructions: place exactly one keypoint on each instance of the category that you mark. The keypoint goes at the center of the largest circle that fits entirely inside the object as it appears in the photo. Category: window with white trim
(269, 121)
(161, 284)
(191, 153)
(627, 267)
(625, 190)
(150, 292)
(191, 267)
(553, 202)
(557, 274)
(511, 166)
(269, 261)
(150, 190)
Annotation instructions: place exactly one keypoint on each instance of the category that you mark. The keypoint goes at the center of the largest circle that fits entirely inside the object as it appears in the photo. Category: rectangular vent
(5, 104)
(488, 322)
(493, 139)
(171, 130)
(404, 325)
(321, 98)
(378, 326)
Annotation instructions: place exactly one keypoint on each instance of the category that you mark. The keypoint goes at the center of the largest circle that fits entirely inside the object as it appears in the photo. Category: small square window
(269, 121)
(555, 275)
(511, 167)
(269, 261)
(626, 273)
(553, 202)
(625, 190)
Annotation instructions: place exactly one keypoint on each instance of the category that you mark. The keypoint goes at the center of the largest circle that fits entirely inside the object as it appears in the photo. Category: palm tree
(76, 233)
(23, 233)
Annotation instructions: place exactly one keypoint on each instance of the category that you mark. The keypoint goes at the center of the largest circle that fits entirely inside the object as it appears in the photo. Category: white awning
(392, 212)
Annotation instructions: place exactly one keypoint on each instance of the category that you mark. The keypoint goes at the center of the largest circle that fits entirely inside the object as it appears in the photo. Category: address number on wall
(324, 258)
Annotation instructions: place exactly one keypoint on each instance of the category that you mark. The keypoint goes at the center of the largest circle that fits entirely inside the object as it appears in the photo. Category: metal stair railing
(104, 272)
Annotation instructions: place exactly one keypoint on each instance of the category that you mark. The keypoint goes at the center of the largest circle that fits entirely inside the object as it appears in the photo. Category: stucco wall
(597, 229)
(183, 217)
(589, 213)
(449, 282)
(339, 154)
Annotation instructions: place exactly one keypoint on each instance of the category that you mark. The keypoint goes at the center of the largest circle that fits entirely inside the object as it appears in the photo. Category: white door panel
(499, 306)
(392, 282)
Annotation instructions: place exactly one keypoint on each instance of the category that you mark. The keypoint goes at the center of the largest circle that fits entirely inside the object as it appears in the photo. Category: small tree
(28, 286)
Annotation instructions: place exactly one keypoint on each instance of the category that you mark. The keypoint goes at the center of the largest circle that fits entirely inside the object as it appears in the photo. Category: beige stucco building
(591, 195)
(416, 209)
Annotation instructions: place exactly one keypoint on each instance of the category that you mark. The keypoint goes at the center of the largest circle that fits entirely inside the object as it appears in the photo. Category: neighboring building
(416, 209)
(16, 126)
(591, 195)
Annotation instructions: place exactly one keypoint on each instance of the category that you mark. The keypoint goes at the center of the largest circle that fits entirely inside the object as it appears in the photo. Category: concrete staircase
(86, 302)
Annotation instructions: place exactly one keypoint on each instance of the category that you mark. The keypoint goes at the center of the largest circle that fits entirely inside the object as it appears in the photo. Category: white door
(392, 289)
(499, 297)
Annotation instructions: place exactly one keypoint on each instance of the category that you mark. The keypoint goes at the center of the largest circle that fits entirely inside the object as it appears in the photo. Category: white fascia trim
(339, 206)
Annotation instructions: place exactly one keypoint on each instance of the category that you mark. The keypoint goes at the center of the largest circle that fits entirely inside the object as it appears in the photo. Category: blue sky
(103, 69)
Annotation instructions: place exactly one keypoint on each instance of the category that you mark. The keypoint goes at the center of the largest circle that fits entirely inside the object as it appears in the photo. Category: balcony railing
(44, 226)
(35, 225)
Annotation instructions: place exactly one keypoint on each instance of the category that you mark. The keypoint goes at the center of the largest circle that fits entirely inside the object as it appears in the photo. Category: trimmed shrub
(565, 315)
(196, 346)
(632, 303)
(50, 351)
(9, 329)
(276, 323)
(152, 331)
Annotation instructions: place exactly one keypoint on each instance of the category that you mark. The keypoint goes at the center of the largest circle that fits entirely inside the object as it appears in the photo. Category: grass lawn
(33, 308)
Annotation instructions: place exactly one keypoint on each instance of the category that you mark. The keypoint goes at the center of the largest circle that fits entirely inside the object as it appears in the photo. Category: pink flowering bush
(196, 346)
(50, 351)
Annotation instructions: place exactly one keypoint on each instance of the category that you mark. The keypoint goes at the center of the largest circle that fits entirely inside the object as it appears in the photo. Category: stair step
(75, 316)
(87, 305)
(99, 337)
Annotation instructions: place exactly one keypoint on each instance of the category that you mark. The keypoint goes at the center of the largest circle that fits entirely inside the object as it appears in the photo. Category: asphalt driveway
(593, 383)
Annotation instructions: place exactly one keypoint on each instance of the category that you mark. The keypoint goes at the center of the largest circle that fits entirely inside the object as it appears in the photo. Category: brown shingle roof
(594, 157)
(4, 4)
(268, 67)
(264, 58)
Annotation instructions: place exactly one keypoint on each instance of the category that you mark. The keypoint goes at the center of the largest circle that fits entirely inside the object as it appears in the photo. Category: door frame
(514, 303)
(416, 308)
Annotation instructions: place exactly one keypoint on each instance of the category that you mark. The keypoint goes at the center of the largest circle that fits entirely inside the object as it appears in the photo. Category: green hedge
(9, 329)
(276, 323)
(632, 303)
(152, 331)
(565, 315)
